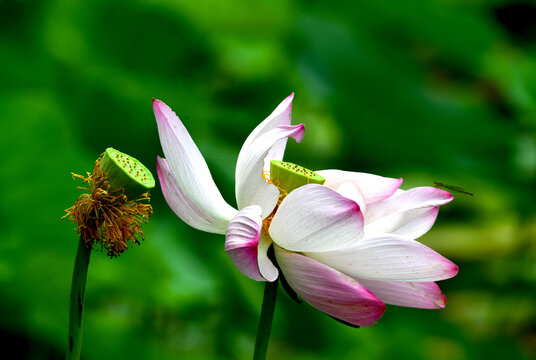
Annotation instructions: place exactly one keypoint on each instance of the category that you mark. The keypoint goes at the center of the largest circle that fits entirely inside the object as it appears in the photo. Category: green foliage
(428, 90)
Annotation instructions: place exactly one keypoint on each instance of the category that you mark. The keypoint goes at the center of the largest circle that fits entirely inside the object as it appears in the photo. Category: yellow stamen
(268, 220)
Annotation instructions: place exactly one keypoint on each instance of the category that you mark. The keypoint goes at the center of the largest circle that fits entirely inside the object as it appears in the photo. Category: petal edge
(188, 166)
(187, 210)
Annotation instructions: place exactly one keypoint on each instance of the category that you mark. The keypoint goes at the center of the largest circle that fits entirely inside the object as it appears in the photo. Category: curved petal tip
(299, 135)
(297, 132)
(290, 97)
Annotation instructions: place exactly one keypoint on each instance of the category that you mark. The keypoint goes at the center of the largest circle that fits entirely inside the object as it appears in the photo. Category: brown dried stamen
(108, 217)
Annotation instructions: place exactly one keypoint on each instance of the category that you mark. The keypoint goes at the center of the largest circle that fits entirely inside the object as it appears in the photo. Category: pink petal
(423, 295)
(374, 188)
(242, 243)
(251, 187)
(388, 257)
(190, 212)
(329, 290)
(189, 169)
(316, 218)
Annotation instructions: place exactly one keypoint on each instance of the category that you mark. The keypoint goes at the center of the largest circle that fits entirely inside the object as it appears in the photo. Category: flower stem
(78, 290)
(265, 324)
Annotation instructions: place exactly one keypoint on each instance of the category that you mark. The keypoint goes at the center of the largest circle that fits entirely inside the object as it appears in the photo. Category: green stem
(265, 324)
(76, 308)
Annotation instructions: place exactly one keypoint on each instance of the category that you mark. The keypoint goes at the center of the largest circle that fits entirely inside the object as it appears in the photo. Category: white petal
(184, 207)
(407, 213)
(389, 258)
(410, 224)
(374, 188)
(189, 168)
(280, 116)
(351, 191)
(316, 218)
(251, 187)
(266, 267)
(328, 290)
(416, 198)
(422, 295)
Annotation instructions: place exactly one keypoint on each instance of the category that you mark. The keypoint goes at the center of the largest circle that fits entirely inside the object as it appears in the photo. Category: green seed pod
(288, 176)
(125, 172)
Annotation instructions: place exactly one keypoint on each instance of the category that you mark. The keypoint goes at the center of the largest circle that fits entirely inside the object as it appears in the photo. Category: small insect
(453, 188)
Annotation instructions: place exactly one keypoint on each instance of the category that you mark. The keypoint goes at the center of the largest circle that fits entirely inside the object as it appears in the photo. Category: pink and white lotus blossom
(346, 247)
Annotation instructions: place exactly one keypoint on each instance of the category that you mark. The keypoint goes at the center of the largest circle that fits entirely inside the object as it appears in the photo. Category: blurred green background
(440, 90)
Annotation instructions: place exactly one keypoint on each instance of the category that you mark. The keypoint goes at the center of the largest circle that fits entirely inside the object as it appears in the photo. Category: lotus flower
(345, 247)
